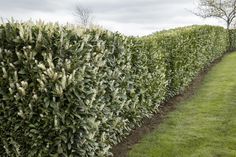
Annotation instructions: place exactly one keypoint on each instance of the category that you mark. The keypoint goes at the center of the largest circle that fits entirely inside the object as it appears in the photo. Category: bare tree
(84, 15)
(222, 9)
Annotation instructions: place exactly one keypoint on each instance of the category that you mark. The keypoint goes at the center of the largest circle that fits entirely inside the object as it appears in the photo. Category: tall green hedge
(67, 91)
(232, 33)
(188, 50)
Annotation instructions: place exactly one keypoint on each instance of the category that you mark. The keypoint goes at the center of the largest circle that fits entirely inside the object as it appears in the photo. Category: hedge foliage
(232, 34)
(67, 91)
(188, 50)
(72, 92)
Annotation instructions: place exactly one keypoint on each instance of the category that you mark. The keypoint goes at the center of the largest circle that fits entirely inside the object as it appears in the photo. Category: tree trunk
(229, 37)
(228, 25)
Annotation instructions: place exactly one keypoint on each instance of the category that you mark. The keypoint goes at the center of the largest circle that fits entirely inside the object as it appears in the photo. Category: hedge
(232, 33)
(68, 91)
(189, 50)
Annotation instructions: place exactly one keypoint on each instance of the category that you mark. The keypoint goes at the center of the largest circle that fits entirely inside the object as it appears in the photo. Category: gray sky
(130, 17)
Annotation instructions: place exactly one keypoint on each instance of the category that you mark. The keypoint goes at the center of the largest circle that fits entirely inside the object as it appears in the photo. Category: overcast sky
(130, 17)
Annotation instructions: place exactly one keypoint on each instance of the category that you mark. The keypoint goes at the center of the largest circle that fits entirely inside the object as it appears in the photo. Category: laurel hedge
(68, 91)
(232, 34)
(189, 50)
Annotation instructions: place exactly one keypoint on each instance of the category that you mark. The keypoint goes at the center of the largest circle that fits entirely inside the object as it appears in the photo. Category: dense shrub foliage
(73, 92)
(188, 50)
(66, 91)
(232, 34)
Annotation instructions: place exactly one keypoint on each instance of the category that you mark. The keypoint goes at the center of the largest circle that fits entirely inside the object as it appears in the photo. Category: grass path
(204, 125)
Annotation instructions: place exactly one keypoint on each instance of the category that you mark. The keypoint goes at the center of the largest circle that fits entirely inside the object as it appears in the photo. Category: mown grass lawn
(204, 125)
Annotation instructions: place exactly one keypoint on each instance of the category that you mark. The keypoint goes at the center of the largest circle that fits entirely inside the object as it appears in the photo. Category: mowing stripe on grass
(204, 125)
